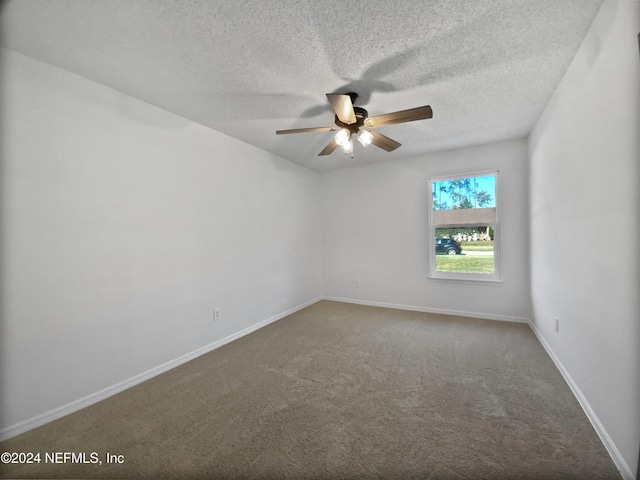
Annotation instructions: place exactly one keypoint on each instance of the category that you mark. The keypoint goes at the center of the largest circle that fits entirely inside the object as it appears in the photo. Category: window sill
(474, 281)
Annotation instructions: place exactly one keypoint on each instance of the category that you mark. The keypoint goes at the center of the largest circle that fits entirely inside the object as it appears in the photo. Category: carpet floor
(339, 391)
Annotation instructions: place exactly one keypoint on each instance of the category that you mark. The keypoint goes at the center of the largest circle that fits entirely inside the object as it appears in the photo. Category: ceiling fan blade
(383, 141)
(305, 130)
(418, 113)
(328, 150)
(343, 107)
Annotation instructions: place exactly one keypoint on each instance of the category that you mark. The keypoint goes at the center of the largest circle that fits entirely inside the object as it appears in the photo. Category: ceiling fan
(351, 120)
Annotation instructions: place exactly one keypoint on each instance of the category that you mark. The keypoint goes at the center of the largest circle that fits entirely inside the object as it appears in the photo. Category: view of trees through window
(464, 222)
(460, 193)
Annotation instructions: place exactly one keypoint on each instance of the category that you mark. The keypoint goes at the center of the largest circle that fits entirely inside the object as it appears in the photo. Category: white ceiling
(250, 67)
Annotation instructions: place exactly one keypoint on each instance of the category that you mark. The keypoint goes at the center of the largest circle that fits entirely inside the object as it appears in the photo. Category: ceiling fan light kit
(365, 137)
(350, 119)
(342, 136)
(347, 146)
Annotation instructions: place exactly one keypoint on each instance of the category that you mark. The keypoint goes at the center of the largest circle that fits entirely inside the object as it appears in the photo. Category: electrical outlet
(557, 324)
(216, 313)
(357, 283)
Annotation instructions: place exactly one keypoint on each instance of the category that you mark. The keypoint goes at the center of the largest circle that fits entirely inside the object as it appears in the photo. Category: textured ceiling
(250, 67)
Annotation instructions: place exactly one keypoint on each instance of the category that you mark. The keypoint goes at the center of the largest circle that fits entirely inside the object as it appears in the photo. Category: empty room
(342, 239)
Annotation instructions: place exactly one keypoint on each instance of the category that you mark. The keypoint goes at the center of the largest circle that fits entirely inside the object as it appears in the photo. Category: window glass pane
(464, 193)
(465, 250)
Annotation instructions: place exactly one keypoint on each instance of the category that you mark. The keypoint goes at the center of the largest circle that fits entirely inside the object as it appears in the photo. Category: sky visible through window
(471, 192)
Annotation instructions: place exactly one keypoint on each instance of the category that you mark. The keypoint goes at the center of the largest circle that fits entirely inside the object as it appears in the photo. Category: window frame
(471, 277)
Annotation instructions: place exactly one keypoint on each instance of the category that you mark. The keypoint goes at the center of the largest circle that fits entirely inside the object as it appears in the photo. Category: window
(463, 227)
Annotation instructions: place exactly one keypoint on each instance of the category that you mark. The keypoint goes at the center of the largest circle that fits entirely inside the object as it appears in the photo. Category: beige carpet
(341, 391)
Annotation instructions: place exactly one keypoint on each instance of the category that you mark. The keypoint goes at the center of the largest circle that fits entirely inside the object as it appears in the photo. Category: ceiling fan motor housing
(361, 115)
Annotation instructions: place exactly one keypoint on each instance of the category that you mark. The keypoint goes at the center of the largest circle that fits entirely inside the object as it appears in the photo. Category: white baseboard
(95, 397)
(458, 313)
(614, 453)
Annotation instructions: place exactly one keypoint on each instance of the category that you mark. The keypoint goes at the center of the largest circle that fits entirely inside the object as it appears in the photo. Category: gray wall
(585, 157)
(123, 226)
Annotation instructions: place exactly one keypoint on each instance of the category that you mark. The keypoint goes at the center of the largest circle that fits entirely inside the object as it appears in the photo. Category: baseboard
(413, 308)
(95, 397)
(614, 453)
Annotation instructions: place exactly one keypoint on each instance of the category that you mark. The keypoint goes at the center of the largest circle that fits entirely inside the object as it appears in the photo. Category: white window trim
(487, 278)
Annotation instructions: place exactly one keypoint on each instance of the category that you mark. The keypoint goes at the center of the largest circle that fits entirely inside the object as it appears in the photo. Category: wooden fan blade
(384, 142)
(418, 113)
(328, 150)
(343, 107)
(305, 130)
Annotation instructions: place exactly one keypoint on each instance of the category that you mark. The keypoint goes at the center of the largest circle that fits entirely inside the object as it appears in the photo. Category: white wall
(122, 227)
(375, 229)
(585, 156)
